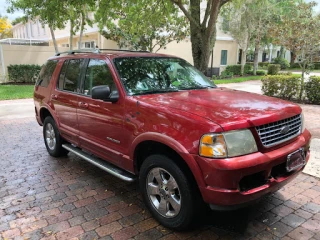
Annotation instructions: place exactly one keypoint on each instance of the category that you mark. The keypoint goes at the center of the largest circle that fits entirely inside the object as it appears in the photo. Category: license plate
(296, 160)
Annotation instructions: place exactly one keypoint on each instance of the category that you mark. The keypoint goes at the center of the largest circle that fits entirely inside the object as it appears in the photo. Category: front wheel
(52, 138)
(167, 192)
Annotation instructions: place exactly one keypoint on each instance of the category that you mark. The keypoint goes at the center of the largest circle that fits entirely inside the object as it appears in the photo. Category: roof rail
(88, 50)
(121, 50)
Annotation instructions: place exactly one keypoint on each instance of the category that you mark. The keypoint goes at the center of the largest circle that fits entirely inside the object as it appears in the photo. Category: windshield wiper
(156, 91)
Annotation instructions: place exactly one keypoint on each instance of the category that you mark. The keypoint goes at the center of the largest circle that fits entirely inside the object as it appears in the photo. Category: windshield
(146, 75)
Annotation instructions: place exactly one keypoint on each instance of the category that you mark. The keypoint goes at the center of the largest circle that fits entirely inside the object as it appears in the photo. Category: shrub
(285, 73)
(236, 69)
(259, 72)
(312, 89)
(263, 64)
(284, 64)
(273, 69)
(23, 73)
(295, 65)
(286, 87)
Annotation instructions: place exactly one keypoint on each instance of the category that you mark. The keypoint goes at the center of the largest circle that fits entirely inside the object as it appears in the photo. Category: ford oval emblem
(284, 129)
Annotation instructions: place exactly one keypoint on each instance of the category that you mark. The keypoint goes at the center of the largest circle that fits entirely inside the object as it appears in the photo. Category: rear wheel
(52, 138)
(167, 192)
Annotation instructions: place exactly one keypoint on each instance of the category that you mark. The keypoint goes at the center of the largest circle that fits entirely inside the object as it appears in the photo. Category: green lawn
(8, 92)
(237, 80)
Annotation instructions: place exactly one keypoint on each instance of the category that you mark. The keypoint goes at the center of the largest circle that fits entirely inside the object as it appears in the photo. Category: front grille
(274, 133)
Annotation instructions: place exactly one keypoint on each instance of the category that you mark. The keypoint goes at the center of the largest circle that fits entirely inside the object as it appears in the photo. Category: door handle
(54, 96)
(83, 105)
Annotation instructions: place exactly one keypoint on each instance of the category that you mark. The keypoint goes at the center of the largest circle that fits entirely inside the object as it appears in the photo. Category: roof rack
(95, 50)
(89, 50)
(121, 50)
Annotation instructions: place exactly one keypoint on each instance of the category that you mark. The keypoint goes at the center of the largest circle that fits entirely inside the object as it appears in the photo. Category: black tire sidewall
(187, 211)
(58, 150)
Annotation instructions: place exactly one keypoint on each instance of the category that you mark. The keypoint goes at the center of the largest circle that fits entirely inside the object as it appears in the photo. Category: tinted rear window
(46, 73)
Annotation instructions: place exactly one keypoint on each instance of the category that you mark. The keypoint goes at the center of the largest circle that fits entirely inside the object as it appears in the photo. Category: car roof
(111, 54)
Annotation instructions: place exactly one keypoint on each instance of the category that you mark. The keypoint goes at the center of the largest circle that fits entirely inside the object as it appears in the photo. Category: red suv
(157, 119)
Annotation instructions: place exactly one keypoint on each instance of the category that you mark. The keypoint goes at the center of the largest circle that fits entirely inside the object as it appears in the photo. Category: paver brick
(301, 233)
(70, 233)
(293, 220)
(125, 233)
(108, 229)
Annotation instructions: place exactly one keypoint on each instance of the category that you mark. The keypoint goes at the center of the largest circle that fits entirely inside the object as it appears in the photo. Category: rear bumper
(238, 181)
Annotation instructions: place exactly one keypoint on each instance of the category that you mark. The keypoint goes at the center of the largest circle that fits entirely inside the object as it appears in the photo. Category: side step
(104, 165)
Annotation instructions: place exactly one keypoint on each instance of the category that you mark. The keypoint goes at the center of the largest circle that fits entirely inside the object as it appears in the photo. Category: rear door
(100, 122)
(65, 98)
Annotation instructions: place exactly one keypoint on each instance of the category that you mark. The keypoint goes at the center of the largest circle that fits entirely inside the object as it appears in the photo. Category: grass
(237, 80)
(9, 92)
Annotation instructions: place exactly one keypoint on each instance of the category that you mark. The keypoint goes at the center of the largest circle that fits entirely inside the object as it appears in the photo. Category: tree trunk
(71, 35)
(54, 40)
(243, 60)
(83, 18)
(292, 58)
(281, 54)
(256, 56)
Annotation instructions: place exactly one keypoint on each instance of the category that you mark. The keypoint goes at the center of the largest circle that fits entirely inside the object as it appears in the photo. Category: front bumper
(240, 180)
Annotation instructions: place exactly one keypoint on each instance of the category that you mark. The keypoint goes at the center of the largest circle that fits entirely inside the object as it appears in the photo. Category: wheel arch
(155, 143)
(45, 112)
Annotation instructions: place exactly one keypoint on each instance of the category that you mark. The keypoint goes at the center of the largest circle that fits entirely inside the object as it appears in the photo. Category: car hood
(231, 109)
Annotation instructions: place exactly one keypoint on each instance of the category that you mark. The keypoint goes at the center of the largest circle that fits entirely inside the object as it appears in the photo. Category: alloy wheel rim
(50, 136)
(163, 192)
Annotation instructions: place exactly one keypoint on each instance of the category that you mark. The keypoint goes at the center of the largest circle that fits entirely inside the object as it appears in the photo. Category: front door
(65, 98)
(100, 122)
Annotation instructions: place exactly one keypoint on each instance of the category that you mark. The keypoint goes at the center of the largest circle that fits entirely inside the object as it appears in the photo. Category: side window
(62, 75)
(46, 73)
(98, 73)
(69, 75)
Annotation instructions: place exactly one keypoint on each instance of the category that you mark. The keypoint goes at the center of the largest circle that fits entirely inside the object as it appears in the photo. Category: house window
(224, 57)
(65, 45)
(90, 44)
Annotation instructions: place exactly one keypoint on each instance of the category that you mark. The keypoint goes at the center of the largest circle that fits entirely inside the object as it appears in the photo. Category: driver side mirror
(103, 92)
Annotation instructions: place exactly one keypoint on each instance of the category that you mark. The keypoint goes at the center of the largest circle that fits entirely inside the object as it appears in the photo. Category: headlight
(302, 123)
(228, 144)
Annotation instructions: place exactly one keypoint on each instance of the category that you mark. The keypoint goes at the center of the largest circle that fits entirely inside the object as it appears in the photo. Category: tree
(299, 32)
(202, 30)
(240, 26)
(141, 25)
(5, 28)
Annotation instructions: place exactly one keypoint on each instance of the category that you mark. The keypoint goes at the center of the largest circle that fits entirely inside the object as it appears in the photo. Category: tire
(52, 138)
(167, 192)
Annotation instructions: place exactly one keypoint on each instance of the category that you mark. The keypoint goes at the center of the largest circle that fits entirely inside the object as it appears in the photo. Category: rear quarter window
(46, 73)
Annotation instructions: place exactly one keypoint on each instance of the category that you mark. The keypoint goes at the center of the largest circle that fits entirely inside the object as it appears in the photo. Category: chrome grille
(275, 133)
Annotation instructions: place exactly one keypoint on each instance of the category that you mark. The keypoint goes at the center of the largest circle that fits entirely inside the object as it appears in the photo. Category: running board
(104, 165)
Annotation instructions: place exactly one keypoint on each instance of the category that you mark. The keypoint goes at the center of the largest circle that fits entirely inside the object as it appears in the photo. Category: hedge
(259, 72)
(315, 65)
(260, 64)
(282, 86)
(23, 73)
(236, 69)
(273, 69)
(312, 89)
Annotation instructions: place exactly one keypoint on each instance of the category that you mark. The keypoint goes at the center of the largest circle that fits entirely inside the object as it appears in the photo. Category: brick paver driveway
(66, 198)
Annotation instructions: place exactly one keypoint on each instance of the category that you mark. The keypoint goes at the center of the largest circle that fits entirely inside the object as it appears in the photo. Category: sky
(4, 5)
(3, 11)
